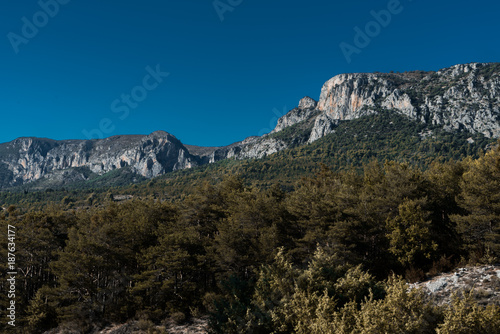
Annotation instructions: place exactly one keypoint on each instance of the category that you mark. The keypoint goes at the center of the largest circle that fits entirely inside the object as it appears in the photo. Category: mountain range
(460, 99)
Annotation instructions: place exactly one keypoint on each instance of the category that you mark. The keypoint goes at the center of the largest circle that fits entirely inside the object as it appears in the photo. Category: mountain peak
(307, 103)
(160, 133)
(459, 98)
(460, 69)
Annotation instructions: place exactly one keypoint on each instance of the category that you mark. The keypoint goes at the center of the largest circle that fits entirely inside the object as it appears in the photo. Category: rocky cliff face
(462, 97)
(29, 159)
(306, 109)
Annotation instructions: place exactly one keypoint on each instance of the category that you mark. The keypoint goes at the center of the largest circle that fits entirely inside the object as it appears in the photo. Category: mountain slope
(456, 99)
(30, 159)
(383, 136)
(462, 97)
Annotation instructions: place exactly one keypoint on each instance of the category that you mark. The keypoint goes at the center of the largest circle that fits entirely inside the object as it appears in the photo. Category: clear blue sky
(226, 77)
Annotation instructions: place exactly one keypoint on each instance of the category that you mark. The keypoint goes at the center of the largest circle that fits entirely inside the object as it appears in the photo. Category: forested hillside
(382, 136)
(415, 116)
(326, 255)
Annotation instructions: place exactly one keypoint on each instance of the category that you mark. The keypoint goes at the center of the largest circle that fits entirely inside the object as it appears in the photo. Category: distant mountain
(28, 159)
(462, 98)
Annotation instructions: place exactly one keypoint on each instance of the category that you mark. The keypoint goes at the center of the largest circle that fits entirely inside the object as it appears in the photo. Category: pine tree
(480, 196)
(409, 235)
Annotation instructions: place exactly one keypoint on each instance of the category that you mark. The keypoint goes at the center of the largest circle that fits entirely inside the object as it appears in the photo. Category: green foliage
(465, 316)
(480, 197)
(409, 234)
(318, 258)
(385, 135)
(41, 313)
(401, 311)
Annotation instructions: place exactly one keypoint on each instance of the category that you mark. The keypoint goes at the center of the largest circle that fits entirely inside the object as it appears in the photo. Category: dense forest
(332, 254)
(382, 136)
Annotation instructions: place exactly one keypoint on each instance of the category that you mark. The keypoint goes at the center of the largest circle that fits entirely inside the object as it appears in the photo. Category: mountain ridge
(463, 97)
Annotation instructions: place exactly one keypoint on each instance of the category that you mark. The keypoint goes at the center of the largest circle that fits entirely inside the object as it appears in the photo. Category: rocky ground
(483, 281)
(196, 326)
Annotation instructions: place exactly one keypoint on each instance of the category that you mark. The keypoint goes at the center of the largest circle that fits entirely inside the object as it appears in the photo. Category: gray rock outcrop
(459, 98)
(462, 97)
(30, 159)
(484, 281)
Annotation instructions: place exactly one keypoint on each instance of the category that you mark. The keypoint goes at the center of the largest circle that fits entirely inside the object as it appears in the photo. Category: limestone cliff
(459, 98)
(29, 159)
(462, 97)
